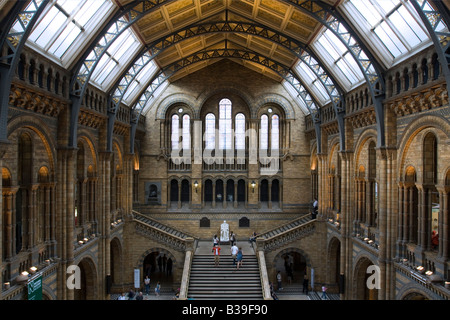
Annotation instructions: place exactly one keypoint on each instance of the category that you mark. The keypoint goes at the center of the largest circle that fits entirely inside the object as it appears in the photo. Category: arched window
(275, 134)
(240, 131)
(175, 131)
(264, 133)
(210, 131)
(186, 132)
(225, 124)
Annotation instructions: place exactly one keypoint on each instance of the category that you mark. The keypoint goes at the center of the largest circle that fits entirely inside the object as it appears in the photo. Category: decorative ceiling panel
(267, 15)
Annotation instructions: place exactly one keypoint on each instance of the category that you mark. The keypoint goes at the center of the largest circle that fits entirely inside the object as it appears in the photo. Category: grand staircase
(286, 227)
(208, 282)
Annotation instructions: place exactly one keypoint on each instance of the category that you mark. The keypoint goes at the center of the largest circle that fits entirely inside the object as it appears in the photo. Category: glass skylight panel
(156, 94)
(140, 81)
(394, 22)
(293, 93)
(115, 58)
(65, 22)
(313, 83)
(338, 58)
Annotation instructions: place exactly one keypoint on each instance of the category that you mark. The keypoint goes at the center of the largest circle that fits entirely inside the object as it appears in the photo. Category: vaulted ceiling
(178, 16)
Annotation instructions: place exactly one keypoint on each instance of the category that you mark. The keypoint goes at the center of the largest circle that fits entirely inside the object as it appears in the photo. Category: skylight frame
(367, 29)
(338, 59)
(140, 82)
(87, 30)
(313, 83)
(115, 59)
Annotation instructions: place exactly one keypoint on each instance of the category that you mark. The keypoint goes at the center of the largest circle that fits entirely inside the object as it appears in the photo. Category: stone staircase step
(224, 282)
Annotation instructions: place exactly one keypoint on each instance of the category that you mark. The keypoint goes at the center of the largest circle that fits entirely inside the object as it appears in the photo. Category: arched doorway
(415, 296)
(275, 191)
(174, 190)
(159, 265)
(116, 262)
(334, 263)
(264, 191)
(185, 191)
(208, 191)
(219, 190)
(88, 281)
(293, 266)
(241, 191)
(362, 274)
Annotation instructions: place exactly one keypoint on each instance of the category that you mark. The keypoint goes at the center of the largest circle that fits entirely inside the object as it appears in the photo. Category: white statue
(224, 232)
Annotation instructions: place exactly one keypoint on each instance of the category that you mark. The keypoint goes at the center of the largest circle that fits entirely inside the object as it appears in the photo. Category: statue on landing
(224, 232)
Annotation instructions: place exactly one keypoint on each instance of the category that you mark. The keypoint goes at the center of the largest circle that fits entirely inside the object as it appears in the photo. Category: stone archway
(334, 262)
(415, 296)
(361, 275)
(160, 265)
(88, 281)
(116, 262)
(294, 264)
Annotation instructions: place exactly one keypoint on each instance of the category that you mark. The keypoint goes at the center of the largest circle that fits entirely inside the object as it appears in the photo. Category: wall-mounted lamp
(195, 185)
(253, 186)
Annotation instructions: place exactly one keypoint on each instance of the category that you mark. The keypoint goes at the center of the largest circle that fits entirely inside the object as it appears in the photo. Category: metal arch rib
(368, 64)
(116, 26)
(83, 70)
(203, 55)
(15, 41)
(441, 39)
(297, 48)
(158, 46)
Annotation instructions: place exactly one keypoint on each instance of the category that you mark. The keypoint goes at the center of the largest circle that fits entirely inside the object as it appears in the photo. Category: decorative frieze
(26, 97)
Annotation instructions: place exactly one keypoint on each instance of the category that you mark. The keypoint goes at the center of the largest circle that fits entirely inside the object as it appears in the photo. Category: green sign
(35, 288)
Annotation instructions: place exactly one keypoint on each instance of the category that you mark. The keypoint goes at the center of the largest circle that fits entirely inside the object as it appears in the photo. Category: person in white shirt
(234, 251)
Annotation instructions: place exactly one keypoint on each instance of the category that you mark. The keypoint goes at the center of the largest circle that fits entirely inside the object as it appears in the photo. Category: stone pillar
(105, 221)
(65, 217)
(382, 220)
(322, 183)
(346, 218)
(3, 147)
(8, 221)
(400, 220)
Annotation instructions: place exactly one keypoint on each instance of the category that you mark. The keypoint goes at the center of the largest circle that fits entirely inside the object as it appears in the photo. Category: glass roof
(392, 28)
(67, 24)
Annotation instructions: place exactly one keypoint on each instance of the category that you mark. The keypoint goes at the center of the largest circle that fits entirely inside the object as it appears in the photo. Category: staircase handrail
(190, 249)
(136, 213)
(287, 236)
(262, 234)
(263, 275)
(176, 242)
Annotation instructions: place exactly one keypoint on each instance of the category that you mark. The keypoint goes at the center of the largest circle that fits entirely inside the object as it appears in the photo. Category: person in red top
(216, 252)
